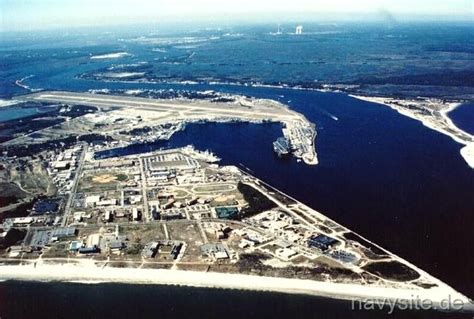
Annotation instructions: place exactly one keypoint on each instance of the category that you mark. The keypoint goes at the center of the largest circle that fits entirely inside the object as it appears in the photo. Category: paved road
(146, 214)
(67, 208)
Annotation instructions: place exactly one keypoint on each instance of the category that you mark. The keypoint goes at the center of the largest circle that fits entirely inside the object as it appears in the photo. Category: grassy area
(102, 181)
(58, 250)
(214, 188)
(257, 202)
(392, 270)
(33, 178)
(143, 233)
(122, 177)
(191, 235)
(10, 193)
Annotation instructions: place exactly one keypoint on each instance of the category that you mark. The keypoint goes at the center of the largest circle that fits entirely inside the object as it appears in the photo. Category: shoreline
(88, 273)
(242, 109)
(467, 151)
(7, 103)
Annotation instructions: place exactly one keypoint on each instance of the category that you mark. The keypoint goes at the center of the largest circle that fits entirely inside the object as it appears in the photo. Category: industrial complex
(178, 209)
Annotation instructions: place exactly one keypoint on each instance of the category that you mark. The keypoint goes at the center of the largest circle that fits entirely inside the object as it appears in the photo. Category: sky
(44, 14)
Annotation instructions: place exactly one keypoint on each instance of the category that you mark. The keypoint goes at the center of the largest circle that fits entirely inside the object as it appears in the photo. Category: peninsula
(135, 113)
(433, 113)
(175, 216)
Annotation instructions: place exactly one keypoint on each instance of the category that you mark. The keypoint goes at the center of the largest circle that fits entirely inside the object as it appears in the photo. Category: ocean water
(73, 300)
(463, 117)
(381, 174)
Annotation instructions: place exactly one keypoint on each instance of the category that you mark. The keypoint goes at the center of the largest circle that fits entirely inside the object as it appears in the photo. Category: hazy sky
(40, 14)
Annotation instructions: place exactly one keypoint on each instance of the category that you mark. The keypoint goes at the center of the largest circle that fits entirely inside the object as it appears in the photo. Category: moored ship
(281, 146)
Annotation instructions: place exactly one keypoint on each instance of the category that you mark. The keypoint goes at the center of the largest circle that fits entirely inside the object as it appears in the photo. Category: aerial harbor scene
(164, 160)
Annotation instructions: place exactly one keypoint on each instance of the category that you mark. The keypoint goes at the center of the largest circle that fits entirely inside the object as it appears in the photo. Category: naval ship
(281, 146)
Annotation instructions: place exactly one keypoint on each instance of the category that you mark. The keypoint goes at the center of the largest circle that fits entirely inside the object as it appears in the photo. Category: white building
(299, 29)
(92, 200)
(107, 202)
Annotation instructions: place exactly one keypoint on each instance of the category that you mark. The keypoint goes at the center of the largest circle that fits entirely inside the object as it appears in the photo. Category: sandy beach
(86, 271)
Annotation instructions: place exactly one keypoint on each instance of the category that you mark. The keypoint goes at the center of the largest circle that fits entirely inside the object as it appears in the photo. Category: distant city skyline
(36, 14)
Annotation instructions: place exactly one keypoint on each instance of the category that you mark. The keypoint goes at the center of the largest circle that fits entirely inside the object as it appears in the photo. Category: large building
(322, 242)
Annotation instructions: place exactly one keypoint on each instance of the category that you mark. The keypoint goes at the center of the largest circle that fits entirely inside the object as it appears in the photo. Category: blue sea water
(72, 300)
(381, 174)
(463, 117)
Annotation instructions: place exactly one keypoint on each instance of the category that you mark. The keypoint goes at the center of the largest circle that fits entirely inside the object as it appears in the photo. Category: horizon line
(247, 19)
